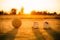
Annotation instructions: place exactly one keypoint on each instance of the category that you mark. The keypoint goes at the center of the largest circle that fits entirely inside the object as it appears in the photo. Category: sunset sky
(29, 5)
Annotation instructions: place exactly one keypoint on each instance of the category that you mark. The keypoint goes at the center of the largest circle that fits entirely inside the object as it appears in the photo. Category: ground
(26, 32)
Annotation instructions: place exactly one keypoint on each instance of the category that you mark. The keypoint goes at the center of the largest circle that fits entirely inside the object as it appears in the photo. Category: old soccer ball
(16, 23)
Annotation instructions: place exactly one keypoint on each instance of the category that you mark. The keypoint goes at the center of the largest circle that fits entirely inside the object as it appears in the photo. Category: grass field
(26, 32)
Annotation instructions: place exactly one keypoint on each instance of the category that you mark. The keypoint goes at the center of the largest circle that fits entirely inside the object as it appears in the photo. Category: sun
(29, 5)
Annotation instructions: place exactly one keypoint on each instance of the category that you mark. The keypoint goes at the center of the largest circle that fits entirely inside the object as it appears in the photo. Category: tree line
(33, 12)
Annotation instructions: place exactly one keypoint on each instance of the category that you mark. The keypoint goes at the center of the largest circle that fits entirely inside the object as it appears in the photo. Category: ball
(16, 23)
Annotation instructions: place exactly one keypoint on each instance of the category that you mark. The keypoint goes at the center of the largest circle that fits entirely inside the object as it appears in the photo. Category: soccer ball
(16, 23)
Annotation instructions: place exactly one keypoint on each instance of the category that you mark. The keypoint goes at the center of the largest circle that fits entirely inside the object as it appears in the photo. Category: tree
(5, 13)
(33, 12)
(44, 12)
(13, 11)
(55, 13)
(22, 10)
(1, 12)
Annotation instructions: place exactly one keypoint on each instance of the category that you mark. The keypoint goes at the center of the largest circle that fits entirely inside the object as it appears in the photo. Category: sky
(29, 5)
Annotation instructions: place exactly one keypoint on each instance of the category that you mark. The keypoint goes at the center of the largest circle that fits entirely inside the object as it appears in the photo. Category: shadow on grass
(9, 35)
(38, 34)
(53, 33)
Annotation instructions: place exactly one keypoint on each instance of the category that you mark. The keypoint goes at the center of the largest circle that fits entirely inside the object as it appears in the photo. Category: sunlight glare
(29, 5)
